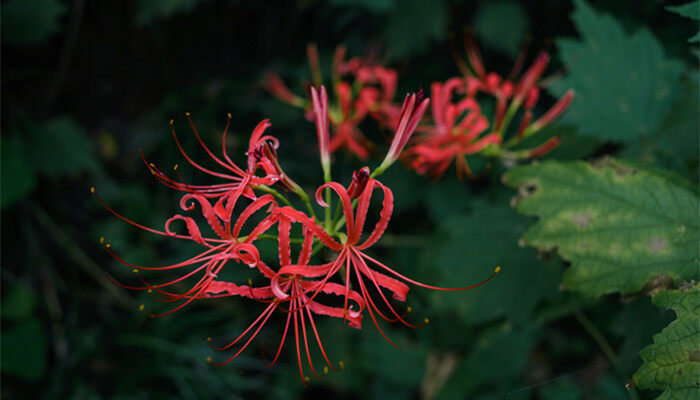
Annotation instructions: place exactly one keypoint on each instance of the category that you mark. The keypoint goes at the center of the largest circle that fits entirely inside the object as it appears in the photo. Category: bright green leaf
(30, 21)
(414, 25)
(624, 84)
(672, 362)
(492, 17)
(17, 178)
(61, 147)
(620, 226)
(24, 350)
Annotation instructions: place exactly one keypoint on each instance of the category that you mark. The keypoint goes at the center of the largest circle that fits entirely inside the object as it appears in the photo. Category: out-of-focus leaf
(689, 10)
(672, 363)
(149, 10)
(61, 147)
(572, 147)
(413, 25)
(376, 6)
(564, 389)
(17, 178)
(491, 21)
(624, 84)
(468, 248)
(619, 225)
(24, 350)
(18, 303)
(30, 21)
(496, 359)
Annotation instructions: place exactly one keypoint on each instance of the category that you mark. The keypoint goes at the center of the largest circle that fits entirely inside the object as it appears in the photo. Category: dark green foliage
(69, 333)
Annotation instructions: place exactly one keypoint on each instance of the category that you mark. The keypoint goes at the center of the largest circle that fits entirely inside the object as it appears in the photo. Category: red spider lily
(291, 289)
(352, 258)
(361, 88)
(204, 267)
(261, 155)
(456, 132)
(513, 92)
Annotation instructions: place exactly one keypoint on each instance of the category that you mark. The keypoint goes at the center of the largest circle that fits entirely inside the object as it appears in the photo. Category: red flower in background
(361, 88)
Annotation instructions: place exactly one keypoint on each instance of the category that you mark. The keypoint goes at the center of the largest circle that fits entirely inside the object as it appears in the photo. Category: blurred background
(87, 84)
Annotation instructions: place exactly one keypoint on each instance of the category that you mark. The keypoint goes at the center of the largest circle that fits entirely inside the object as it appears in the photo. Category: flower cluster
(253, 203)
(459, 126)
(362, 88)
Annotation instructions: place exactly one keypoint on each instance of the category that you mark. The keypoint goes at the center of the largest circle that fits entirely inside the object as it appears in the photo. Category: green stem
(273, 192)
(604, 346)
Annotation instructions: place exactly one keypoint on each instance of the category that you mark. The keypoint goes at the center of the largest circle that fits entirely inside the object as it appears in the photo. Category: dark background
(86, 84)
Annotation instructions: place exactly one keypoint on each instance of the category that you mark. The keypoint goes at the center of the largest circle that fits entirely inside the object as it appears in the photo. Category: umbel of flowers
(457, 125)
(255, 202)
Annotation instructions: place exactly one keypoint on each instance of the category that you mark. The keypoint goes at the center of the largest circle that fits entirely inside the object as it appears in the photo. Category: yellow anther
(108, 245)
(209, 360)
(208, 339)
(306, 379)
(325, 370)
(175, 167)
(150, 291)
(92, 189)
(409, 309)
(342, 365)
(250, 282)
(497, 270)
(188, 114)
(229, 115)
(152, 165)
(141, 307)
(102, 239)
(427, 321)
(136, 271)
(172, 121)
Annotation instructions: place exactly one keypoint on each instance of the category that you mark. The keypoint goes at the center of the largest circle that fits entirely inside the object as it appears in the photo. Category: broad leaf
(30, 21)
(624, 84)
(61, 147)
(466, 250)
(672, 362)
(414, 25)
(150, 10)
(688, 10)
(24, 350)
(620, 226)
(493, 16)
(17, 178)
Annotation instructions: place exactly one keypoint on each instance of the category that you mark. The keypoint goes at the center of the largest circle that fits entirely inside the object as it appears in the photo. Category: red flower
(456, 132)
(352, 255)
(361, 87)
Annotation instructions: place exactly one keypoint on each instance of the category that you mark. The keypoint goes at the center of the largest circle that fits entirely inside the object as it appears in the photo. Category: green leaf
(16, 176)
(466, 250)
(688, 10)
(375, 6)
(504, 349)
(24, 350)
(150, 10)
(414, 25)
(493, 16)
(61, 147)
(30, 21)
(620, 226)
(624, 84)
(18, 303)
(672, 362)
